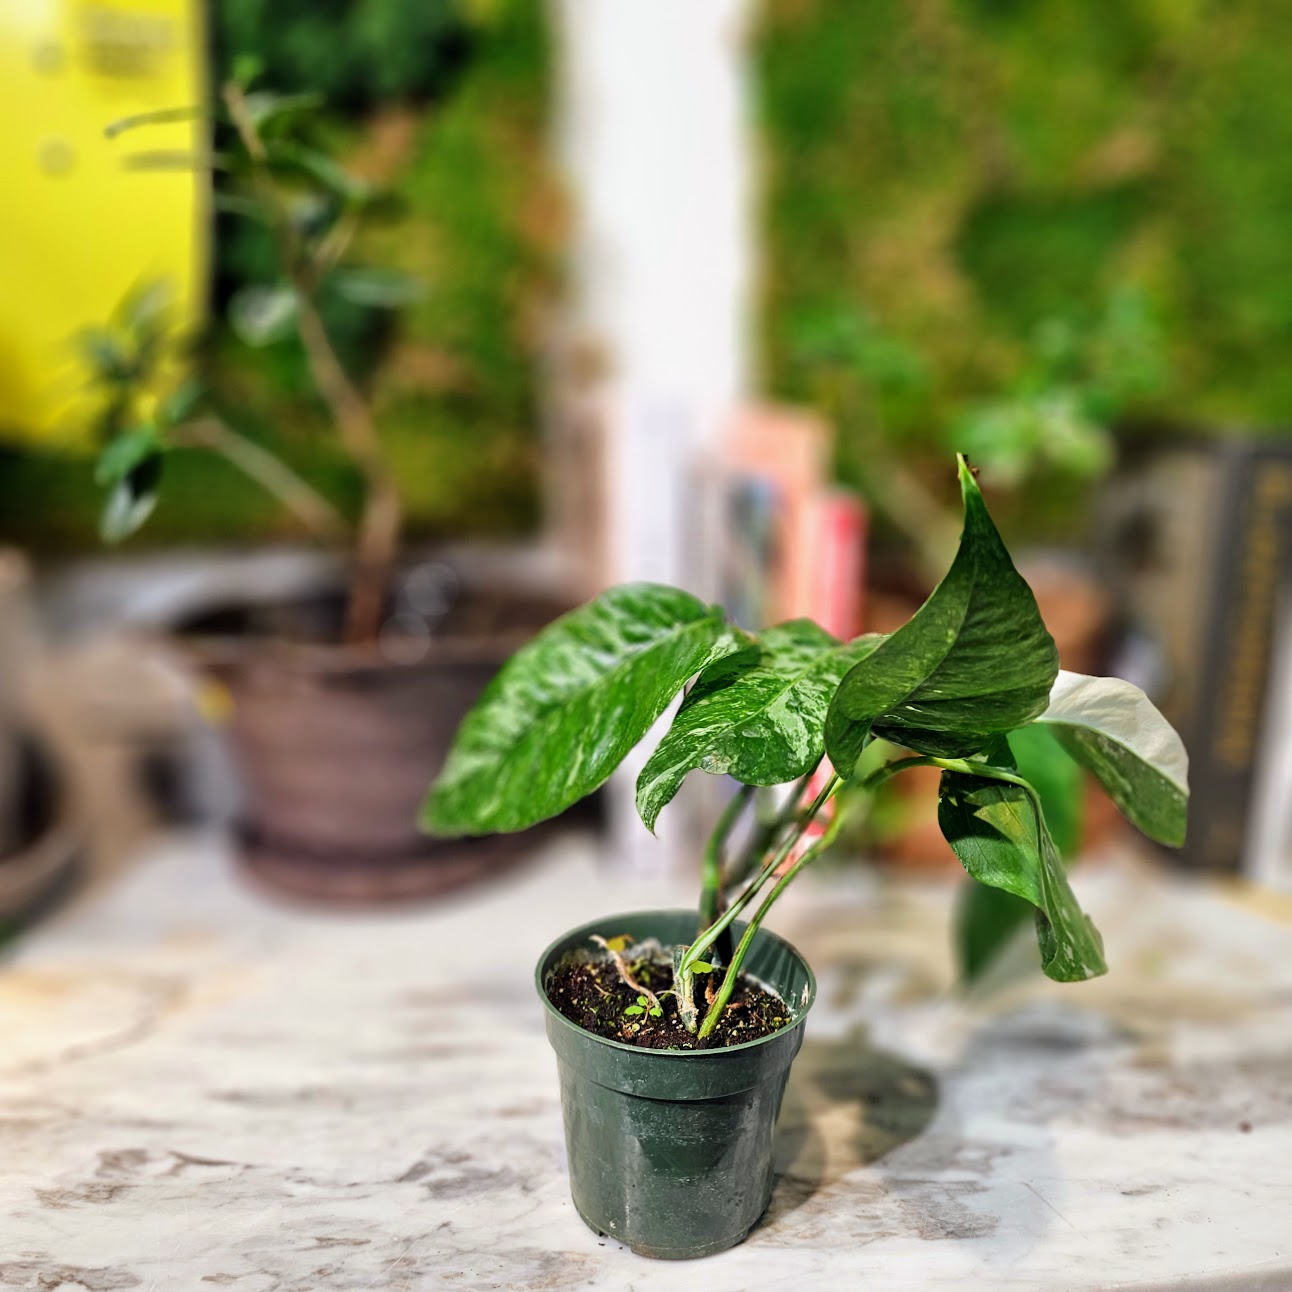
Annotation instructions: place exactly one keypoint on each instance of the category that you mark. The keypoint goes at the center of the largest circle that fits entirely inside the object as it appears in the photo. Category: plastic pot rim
(585, 931)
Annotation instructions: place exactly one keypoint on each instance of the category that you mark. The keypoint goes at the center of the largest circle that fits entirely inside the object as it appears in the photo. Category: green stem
(712, 933)
(723, 997)
(711, 875)
(767, 833)
(870, 783)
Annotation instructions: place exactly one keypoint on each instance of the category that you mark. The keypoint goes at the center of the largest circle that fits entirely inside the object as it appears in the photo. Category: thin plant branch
(309, 506)
(377, 539)
(711, 873)
(711, 934)
(732, 975)
(621, 967)
(767, 833)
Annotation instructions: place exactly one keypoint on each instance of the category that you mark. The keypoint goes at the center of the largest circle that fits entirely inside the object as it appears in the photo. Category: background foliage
(993, 197)
(444, 102)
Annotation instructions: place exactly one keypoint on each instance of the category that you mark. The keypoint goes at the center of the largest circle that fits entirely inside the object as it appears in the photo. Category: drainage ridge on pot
(670, 1151)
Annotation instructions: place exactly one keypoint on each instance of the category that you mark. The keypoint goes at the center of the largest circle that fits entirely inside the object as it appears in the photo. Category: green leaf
(157, 116)
(701, 966)
(125, 452)
(985, 922)
(261, 315)
(566, 708)
(974, 661)
(385, 289)
(321, 168)
(986, 919)
(132, 500)
(241, 205)
(1113, 730)
(758, 716)
(105, 354)
(180, 403)
(634, 1009)
(998, 831)
(265, 107)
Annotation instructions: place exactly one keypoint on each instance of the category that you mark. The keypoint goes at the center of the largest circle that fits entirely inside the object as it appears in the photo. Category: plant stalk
(766, 834)
(712, 933)
(871, 782)
(378, 530)
(711, 873)
(723, 998)
(269, 472)
(710, 903)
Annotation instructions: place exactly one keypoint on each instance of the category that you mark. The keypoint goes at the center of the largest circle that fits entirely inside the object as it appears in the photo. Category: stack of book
(787, 543)
(1198, 542)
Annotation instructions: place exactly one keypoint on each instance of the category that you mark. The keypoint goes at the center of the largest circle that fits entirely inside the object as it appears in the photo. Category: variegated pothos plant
(973, 664)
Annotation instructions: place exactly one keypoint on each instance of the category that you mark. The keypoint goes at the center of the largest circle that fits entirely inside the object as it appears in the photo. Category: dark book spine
(1254, 547)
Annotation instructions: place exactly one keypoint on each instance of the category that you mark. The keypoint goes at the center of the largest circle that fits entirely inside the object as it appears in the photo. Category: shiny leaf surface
(1113, 730)
(566, 708)
(997, 831)
(974, 661)
(757, 716)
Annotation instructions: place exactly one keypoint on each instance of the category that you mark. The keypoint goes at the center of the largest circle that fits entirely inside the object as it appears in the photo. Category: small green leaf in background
(987, 919)
(261, 315)
(132, 499)
(984, 923)
(1001, 839)
(322, 169)
(105, 355)
(1113, 730)
(383, 289)
(180, 404)
(757, 716)
(566, 709)
(125, 452)
(267, 108)
(974, 661)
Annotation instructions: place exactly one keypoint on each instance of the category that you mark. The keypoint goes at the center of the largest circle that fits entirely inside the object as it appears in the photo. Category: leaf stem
(732, 976)
(711, 934)
(711, 874)
(621, 967)
(768, 832)
(380, 522)
(269, 472)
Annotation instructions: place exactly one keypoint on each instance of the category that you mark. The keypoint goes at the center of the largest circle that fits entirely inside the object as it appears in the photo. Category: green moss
(964, 174)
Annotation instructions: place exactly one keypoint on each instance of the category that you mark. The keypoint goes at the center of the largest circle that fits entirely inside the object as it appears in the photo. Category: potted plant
(675, 1030)
(343, 699)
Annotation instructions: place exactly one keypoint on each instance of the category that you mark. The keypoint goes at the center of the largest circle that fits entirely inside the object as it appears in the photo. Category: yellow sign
(84, 219)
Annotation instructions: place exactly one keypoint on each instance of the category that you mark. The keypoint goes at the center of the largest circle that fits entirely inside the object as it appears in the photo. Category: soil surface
(590, 991)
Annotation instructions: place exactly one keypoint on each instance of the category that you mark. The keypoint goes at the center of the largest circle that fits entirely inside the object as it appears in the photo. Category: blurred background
(343, 344)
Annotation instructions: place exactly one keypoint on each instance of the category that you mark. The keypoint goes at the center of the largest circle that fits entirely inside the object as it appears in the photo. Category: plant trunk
(377, 542)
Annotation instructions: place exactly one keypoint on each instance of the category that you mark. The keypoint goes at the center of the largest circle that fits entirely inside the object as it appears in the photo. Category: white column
(652, 133)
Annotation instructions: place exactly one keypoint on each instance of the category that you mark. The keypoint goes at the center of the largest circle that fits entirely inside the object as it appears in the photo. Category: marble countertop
(200, 1089)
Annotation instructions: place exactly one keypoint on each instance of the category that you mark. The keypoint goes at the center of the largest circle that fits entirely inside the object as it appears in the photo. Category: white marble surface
(201, 1090)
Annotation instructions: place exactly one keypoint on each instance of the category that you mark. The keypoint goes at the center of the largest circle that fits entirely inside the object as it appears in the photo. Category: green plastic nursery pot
(670, 1151)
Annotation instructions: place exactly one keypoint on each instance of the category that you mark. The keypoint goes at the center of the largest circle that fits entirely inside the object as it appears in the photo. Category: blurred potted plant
(341, 705)
(674, 1030)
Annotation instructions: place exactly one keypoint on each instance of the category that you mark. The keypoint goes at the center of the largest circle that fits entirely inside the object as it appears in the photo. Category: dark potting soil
(591, 993)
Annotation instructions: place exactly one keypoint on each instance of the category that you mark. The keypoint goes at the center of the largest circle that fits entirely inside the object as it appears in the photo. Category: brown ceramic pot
(336, 746)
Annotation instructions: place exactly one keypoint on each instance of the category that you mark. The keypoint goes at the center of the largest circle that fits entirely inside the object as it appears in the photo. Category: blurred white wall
(653, 136)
